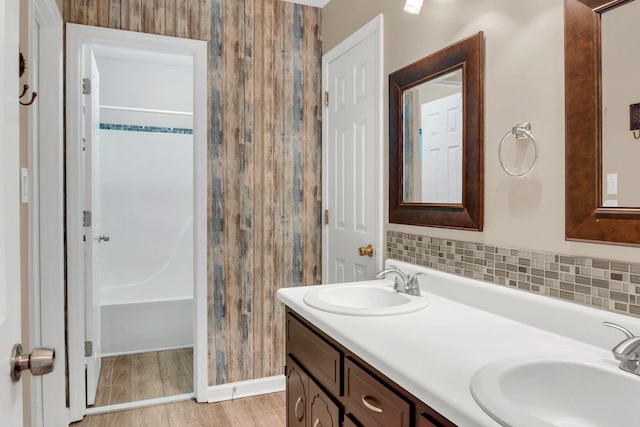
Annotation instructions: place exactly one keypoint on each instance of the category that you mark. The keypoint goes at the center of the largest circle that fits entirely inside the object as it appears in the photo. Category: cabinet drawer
(372, 403)
(317, 356)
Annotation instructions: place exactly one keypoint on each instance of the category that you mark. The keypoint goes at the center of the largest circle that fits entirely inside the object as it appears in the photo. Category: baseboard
(219, 393)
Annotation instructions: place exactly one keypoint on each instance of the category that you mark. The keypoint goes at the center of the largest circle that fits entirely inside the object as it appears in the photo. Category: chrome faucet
(403, 282)
(627, 352)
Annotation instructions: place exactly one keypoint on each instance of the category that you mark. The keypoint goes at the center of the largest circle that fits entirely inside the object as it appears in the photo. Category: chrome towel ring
(521, 131)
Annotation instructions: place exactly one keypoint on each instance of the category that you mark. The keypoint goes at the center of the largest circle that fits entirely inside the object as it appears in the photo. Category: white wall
(147, 209)
(147, 85)
(146, 177)
(524, 81)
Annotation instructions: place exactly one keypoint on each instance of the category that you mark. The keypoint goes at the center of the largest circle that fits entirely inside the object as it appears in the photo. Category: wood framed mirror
(437, 180)
(591, 215)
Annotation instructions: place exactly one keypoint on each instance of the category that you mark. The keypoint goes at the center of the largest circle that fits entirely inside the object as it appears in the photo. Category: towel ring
(521, 131)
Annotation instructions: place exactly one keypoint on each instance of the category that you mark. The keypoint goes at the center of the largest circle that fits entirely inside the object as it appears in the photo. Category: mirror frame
(585, 218)
(467, 54)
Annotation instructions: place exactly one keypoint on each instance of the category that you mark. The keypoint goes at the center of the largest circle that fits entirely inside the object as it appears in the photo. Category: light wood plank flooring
(142, 376)
(268, 410)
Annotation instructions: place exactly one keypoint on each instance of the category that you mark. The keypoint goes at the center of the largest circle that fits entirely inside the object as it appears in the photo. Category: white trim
(77, 37)
(139, 404)
(375, 27)
(46, 234)
(314, 3)
(240, 389)
(154, 350)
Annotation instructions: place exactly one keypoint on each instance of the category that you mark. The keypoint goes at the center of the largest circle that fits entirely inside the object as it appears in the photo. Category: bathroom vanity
(364, 395)
(416, 369)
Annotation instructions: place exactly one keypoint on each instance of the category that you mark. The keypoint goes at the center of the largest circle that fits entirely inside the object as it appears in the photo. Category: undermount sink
(370, 298)
(556, 391)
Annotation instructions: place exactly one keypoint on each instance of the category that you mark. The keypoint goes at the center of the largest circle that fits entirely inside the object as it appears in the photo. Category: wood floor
(142, 376)
(268, 410)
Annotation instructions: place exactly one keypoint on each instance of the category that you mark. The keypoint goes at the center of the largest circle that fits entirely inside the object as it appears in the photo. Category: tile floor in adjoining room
(267, 410)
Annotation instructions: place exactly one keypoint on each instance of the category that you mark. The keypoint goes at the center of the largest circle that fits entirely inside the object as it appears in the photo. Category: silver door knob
(103, 238)
(41, 361)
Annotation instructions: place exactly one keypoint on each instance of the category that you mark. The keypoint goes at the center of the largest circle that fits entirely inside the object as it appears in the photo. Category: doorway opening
(136, 190)
(144, 211)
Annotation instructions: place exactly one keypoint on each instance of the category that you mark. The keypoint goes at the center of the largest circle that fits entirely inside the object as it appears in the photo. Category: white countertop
(433, 353)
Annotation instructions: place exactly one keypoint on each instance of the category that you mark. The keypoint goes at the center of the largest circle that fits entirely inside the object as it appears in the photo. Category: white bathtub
(146, 326)
(155, 313)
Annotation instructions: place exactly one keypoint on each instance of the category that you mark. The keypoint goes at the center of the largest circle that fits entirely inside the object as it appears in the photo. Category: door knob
(41, 361)
(103, 238)
(366, 251)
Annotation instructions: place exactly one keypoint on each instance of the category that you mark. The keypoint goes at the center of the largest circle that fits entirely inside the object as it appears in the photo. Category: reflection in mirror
(436, 138)
(620, 91)
(432, 140)
(586, 219)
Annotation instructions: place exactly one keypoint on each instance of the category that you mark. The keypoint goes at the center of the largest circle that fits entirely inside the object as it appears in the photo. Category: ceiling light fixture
(413, 7)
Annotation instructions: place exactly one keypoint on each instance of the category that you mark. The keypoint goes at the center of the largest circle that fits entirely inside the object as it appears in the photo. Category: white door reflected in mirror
(432, 141)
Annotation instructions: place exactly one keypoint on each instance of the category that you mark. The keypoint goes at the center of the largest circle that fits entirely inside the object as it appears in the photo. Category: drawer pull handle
(317, 423)
(368, 405)
(298, 402)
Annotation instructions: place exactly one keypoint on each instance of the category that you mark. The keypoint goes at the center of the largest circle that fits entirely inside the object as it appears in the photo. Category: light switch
(24, 185)
(612, 183)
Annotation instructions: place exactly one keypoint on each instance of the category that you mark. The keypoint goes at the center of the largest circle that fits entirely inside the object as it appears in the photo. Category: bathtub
(146, 326)
(155, 313)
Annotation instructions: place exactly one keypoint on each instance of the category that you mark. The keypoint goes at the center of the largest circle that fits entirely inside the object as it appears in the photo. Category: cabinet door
(425, 422)
(323, 412)
(348, 422)
(297, 393)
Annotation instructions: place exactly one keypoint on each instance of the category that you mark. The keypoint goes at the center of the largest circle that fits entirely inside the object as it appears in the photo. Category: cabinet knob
(317, 423)
(370, 406)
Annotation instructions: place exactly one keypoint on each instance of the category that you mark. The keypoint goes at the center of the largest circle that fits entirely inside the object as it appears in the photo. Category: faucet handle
(622, 329)
(415, 276)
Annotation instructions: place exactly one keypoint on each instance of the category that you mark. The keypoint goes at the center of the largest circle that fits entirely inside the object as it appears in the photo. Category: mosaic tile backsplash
(605, 284)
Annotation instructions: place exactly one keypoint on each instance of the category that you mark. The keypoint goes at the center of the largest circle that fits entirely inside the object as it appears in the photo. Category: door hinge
(326, 98)
(86, 86)
(326, 216)
(88, 349)
(86, 218)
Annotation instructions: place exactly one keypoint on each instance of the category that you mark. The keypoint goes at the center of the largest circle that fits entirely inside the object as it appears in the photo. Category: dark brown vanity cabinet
(307, 404)
(328, 386)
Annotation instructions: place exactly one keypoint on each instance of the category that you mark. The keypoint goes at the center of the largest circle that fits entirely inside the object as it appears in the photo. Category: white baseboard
(219, 393)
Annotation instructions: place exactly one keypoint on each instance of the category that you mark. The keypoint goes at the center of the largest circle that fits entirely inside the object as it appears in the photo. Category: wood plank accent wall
(264, 160)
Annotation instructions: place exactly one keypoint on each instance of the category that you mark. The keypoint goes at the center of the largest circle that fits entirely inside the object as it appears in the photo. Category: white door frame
(46, 196)
(10, 285)
(375, 26)
(77, 37)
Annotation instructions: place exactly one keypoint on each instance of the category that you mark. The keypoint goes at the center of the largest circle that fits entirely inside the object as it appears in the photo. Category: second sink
(370, 298)
(556, 391)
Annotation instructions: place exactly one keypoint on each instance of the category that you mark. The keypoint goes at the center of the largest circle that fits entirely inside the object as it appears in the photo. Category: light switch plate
(612, 183)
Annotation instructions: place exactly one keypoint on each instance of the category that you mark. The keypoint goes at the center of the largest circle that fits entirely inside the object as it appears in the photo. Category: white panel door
(441, 122)
(10, 392)
(351, 164)
(92, 234)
